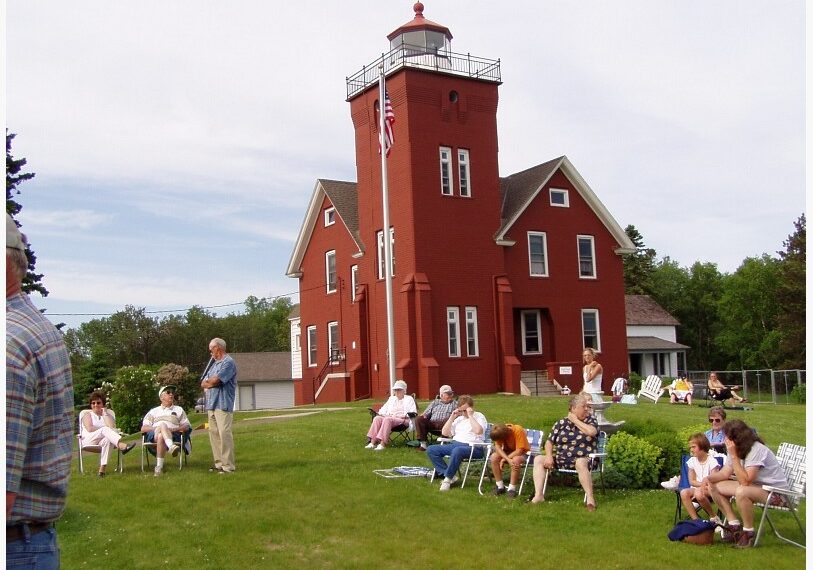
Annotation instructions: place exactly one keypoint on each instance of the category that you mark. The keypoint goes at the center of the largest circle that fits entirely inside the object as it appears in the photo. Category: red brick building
(492, 275)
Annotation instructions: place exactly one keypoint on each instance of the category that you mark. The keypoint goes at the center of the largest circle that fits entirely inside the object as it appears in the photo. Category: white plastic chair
(793, 459)
(94, 448)
(596, 464)
(651, 388)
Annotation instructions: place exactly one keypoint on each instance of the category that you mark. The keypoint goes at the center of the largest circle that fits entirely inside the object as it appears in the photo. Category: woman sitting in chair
(715, 433)
(754, 465)
(395, 412)
(99, 428)
(720, 391)
(575, 438)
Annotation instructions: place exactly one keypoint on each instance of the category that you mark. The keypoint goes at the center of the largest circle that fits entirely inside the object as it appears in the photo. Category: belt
(17, 531)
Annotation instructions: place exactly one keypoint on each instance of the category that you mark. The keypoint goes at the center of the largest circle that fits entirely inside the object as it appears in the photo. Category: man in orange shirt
(510, 446)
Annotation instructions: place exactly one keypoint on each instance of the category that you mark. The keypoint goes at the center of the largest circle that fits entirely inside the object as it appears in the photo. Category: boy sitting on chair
(510, 446)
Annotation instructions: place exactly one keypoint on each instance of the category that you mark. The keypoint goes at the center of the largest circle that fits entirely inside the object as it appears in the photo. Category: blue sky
(176, 144)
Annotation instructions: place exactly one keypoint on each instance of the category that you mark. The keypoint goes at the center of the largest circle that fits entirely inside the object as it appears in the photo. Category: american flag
(389, 121)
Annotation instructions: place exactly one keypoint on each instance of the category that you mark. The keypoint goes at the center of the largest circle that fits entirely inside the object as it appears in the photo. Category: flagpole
(385, 204)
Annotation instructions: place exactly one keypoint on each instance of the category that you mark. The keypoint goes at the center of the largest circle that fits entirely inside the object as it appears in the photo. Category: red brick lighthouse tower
(445, 203)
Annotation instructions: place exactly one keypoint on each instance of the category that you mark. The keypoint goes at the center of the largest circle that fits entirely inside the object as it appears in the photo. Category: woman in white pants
(99, 428)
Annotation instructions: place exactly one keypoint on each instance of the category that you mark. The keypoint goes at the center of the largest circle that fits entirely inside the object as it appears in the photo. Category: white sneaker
(158, 472)
(370, 445)
(455, 479)
(175, 449)
(445, 485)
(380, 447)
(671, 484)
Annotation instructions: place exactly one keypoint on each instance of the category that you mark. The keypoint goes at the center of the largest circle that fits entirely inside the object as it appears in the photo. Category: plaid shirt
(439, 411)
(39, 408)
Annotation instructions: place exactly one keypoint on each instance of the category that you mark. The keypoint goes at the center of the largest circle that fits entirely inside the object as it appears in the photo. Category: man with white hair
(435, 414)
(39, 431)
(220, 387)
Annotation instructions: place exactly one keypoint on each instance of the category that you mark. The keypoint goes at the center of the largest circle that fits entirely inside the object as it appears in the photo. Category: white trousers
(105, 438)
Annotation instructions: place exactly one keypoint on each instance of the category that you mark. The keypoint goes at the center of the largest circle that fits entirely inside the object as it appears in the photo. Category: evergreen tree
(790, 296)
(639, 266)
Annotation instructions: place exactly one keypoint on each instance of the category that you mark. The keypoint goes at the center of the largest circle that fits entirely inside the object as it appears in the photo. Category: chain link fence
(759, 386)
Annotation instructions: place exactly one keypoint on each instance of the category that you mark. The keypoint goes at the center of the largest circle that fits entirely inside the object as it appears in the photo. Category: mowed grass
(305, 496)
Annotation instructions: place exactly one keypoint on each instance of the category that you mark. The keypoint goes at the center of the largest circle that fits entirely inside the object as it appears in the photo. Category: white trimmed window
(446, 177)
(590, 329)
(379, 236)
(312, 345)
(538, 254)
(354, 277)
(333, 340)
(464, 172)
(453, 326)
(587, 257)
(531, 332)
(472, 341)
(330, 216)
(559, 198)
(330, 270)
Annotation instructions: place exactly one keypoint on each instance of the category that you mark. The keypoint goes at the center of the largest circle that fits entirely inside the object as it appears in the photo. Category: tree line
(753, 318)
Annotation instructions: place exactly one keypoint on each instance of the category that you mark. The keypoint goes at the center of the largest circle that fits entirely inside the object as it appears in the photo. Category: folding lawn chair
(485, 445)
(793, 459)
(94, 448)
(596, 464)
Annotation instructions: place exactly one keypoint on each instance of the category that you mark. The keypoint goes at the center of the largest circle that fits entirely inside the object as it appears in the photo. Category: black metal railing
(405, 55)
(337, 360)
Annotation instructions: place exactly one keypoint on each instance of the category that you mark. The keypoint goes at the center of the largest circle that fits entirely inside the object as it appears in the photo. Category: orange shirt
(517, 440)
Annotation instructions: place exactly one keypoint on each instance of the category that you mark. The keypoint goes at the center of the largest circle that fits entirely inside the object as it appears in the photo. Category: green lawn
(305, 495)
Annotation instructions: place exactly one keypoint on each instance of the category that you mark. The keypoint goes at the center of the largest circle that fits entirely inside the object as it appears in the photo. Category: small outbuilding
(263, 380)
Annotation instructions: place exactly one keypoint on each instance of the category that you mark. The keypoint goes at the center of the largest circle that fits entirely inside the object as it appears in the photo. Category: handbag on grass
(693, 532)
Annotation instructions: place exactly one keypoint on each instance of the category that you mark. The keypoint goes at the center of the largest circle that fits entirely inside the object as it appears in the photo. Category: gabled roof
(294, 313)
(652, 344)
(644, 310)
(262, 366)
(519, 191)
(344, 197)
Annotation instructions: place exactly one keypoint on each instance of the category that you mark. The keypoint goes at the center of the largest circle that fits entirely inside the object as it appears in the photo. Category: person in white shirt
(395, 412)
(699, 466)
(754, 465)
(99, 428)
(466, 427)
(592, 372)
(164, 425)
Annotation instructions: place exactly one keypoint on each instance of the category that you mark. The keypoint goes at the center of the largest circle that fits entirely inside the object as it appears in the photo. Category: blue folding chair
(684, 484)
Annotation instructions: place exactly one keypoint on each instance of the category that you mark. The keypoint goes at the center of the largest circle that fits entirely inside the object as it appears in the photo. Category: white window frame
(379, 238)
(453, 331)
(330, 216)
(445, 157)
(331, 278)
(538, 315)
(354, 276)
(598, 329)
(472, 332)
(311, 331)
(564, 193)
(464, 172)
(333, 341)
(544, 236)
(592, 260)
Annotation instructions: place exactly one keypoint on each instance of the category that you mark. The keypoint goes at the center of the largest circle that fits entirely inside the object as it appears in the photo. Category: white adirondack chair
(651, 388)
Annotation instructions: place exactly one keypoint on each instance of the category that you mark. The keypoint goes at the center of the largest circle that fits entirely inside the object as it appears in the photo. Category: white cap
(445, 389)
(14, 239)
(399, 385)
(171, 387)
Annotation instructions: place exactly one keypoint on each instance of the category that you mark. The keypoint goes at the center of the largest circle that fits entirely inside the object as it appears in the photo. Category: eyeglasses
(715, 420)
(97, 403)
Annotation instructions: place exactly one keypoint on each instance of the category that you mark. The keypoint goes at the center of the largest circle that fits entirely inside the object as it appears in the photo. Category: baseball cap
(14, 239)
(445, 389)
(168, 388)
(399, 385)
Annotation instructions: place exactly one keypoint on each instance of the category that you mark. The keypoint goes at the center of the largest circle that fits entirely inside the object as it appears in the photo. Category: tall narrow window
(312, 345)
(590, 329)
(587, 257)
(531, 332)
(330, 216)
(354, 276)
(472, 342)
(538, 254)
(333, 341)
(453, 326)
(463, 166)
(330, 271)
(380, 239)
(446, 171)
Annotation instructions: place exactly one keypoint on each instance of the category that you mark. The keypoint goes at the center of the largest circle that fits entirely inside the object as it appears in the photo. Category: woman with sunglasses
(715, 432)
(99, 428)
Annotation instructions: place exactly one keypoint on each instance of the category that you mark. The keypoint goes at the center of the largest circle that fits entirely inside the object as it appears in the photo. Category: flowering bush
(133, 393)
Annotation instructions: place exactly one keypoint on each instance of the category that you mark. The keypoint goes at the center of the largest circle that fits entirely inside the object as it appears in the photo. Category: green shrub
(632, 462)
(133, 394)
(685, 433)
(188, 387)
(634, 383)
(797, 395)
(671, 449)
(642, 428)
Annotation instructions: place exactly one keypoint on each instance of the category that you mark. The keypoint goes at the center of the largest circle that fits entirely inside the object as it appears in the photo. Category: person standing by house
(435, 414)
(39, 431)
(220, 385)
(591, 372)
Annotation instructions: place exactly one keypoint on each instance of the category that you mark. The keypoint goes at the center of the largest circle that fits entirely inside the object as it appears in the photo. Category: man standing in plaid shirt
(39, 406)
